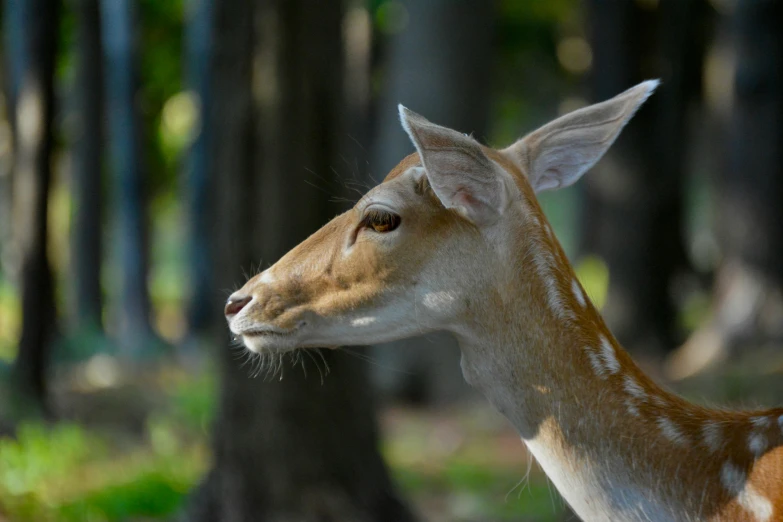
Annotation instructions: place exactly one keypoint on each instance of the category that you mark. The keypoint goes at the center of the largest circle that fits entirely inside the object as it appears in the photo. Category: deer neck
(576, 398)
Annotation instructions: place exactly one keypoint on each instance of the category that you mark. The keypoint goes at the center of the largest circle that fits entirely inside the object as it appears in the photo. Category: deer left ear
(459, 172)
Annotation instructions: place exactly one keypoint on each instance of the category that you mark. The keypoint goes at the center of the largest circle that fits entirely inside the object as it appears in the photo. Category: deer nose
(236, 303)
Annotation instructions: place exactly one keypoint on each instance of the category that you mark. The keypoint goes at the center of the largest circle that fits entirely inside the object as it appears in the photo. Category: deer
(454, 239)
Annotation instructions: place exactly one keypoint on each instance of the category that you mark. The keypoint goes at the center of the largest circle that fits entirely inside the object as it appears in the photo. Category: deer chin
(261, 338)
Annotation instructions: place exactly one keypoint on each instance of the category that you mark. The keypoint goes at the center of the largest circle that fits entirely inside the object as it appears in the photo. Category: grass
(72, 472)
(69, 473)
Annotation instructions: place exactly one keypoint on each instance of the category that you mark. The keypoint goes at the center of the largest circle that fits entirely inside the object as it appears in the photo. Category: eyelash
(380, 221)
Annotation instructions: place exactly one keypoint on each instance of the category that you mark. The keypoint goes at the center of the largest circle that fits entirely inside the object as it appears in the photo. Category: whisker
(307, 351)
(326, 364)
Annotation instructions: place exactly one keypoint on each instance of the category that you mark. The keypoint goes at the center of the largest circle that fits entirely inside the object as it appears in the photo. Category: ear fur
(459, 172)
(560, 152)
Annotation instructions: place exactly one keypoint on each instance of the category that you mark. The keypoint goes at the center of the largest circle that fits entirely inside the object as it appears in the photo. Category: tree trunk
(197, 188)
(301, 448)
(118, 25)
(440, 65)
(88, 167)
(751, 189)
(748, 299)
(633, 202)
(6, 161)
(33, 116)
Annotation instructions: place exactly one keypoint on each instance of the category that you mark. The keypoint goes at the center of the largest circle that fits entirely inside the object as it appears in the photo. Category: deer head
(452, 233)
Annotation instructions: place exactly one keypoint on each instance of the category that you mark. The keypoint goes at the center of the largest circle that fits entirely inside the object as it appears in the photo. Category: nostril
(235, 304)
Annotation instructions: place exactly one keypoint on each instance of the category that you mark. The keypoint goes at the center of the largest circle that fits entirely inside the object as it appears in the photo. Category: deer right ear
(560, 152)
(459, 172)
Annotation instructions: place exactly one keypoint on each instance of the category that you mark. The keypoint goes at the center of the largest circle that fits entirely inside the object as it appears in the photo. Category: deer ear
(557, 154)
(459, 172)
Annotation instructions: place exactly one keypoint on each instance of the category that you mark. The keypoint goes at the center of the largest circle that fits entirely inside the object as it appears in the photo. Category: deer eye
(381, 220)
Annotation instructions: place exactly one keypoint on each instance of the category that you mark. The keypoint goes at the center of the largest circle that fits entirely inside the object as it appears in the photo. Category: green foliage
(68, 473)
(529, 81)
(40, 454)
(75, 473)
(10, 320)
(149, 495)
(161, 26)
(193, 401)
(594, 276)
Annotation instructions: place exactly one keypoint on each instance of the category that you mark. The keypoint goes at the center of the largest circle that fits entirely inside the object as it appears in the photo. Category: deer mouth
(263, 332)
(263, 338)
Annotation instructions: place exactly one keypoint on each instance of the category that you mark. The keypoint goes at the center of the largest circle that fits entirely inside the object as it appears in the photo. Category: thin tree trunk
(88, 167)
(197, 187)
(633, 204)
(298, 449)
(441, 67)
(33, 115)
(118, 25)
(6, 160)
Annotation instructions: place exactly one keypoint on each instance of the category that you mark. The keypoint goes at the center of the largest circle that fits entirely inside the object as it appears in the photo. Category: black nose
(236, 303)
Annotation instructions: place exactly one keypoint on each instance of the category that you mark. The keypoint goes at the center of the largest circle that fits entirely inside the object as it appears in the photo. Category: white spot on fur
(545, 267)
(634, 389)
(535, 219)
(761, 422)
(266, 277)
(711, 434)
(363, 321)
(632, 409)
(438, 301)
(609, 357)
(736, 482)
(577, 290)
(595, 362)
(757, 443)
(554, 298)
(671, 431)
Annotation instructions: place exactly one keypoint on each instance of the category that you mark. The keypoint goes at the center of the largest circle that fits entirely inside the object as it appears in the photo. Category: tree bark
(33, 116)
(633, 202)
(88, 168)
(301, 448)
(118, 25)
(440, 65)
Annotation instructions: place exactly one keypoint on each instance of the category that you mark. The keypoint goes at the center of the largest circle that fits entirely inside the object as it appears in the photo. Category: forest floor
(131, 449)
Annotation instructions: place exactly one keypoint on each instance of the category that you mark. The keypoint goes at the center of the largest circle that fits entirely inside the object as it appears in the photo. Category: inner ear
(459, 172)
(560, 152)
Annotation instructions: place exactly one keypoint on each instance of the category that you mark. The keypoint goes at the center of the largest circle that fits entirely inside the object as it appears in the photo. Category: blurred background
(153, 154)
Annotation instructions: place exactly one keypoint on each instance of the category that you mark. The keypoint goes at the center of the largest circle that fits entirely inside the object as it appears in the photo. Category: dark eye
(380, 220)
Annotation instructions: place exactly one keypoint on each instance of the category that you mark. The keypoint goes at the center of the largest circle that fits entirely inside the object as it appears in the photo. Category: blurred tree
(33, 115)
(748, 299)
(439, 64)
(6, 138)
(633, 205)
(197, 190)
(301, 448)
(88, 166)
(118, 25)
